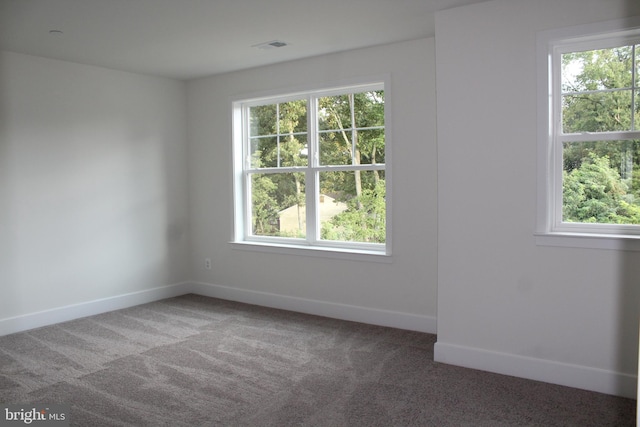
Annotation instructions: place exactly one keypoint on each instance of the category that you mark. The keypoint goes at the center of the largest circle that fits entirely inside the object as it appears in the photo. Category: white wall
(563, 315)
(93, 184)
(405, 288)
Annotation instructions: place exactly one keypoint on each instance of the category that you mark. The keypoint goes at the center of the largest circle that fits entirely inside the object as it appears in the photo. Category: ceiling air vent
(270, 45)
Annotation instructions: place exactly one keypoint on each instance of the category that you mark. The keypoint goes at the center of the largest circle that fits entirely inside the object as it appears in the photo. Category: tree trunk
(353, 146)
(376, 174)
(298, 192)
(358, 176)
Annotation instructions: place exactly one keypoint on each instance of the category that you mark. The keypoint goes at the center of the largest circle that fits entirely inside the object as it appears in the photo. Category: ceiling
(187, 39)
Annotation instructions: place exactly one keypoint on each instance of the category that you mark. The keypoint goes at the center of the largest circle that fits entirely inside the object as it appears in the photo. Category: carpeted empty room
(200, 361)
(319, 213)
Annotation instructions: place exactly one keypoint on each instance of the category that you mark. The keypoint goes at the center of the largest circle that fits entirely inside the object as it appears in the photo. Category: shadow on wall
(7, 214)
(93, 184)
(627, 280)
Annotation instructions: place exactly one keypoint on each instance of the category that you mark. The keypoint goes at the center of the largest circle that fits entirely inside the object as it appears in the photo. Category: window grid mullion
(633, 86)
(595, 91)
(354, 132)
(247, 205)
(556, 148)
(278, 163)
(598, 136)
(310, 176)
(351, 128)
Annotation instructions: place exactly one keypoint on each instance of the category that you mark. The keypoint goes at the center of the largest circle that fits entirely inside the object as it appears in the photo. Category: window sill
(315, 251)
(589, 241)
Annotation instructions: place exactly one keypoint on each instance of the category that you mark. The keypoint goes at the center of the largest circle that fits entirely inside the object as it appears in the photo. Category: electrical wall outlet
(207, 263)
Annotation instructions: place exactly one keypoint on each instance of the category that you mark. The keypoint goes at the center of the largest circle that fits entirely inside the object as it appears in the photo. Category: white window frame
(312, 244)
(550, 229)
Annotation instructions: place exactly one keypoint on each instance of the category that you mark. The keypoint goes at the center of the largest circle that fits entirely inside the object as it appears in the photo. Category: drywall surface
(405, 285)
(552, 313)
(93, 183)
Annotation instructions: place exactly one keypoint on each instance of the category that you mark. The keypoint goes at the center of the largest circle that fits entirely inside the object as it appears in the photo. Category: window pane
(637, 65)
(334, 112)
(597, 69)
(278, 204)
(264, 152)
(636, 119)
(370, 146)
(601, 182)
(293, 117)
(596, 112)
(572, 67)
(352, 206)
(369, 109)
(262, 120)
(335, 147)
(292, 150)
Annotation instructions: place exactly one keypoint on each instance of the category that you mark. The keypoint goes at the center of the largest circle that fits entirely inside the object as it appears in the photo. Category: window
(310, 170)
(589, 151)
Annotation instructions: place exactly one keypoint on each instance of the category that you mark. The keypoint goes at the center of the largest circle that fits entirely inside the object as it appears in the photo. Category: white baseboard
(394, 319)
(321, 308)
(576, 376)
(69, 312)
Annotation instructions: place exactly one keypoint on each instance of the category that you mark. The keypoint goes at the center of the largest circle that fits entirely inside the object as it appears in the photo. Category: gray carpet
(198, 361)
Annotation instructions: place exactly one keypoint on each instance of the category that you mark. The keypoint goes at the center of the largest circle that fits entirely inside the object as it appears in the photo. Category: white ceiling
(193, 38)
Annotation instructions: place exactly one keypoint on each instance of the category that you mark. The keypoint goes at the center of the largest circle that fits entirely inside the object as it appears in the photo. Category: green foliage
(585, 111)
(278, 134)
(352, 129)
(264, 208)
(594, 193)
(277, 139)
(270, 194)
(363, 221)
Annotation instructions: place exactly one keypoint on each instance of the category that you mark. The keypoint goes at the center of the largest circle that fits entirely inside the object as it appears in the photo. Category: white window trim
(327, 249)
(550, 231)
